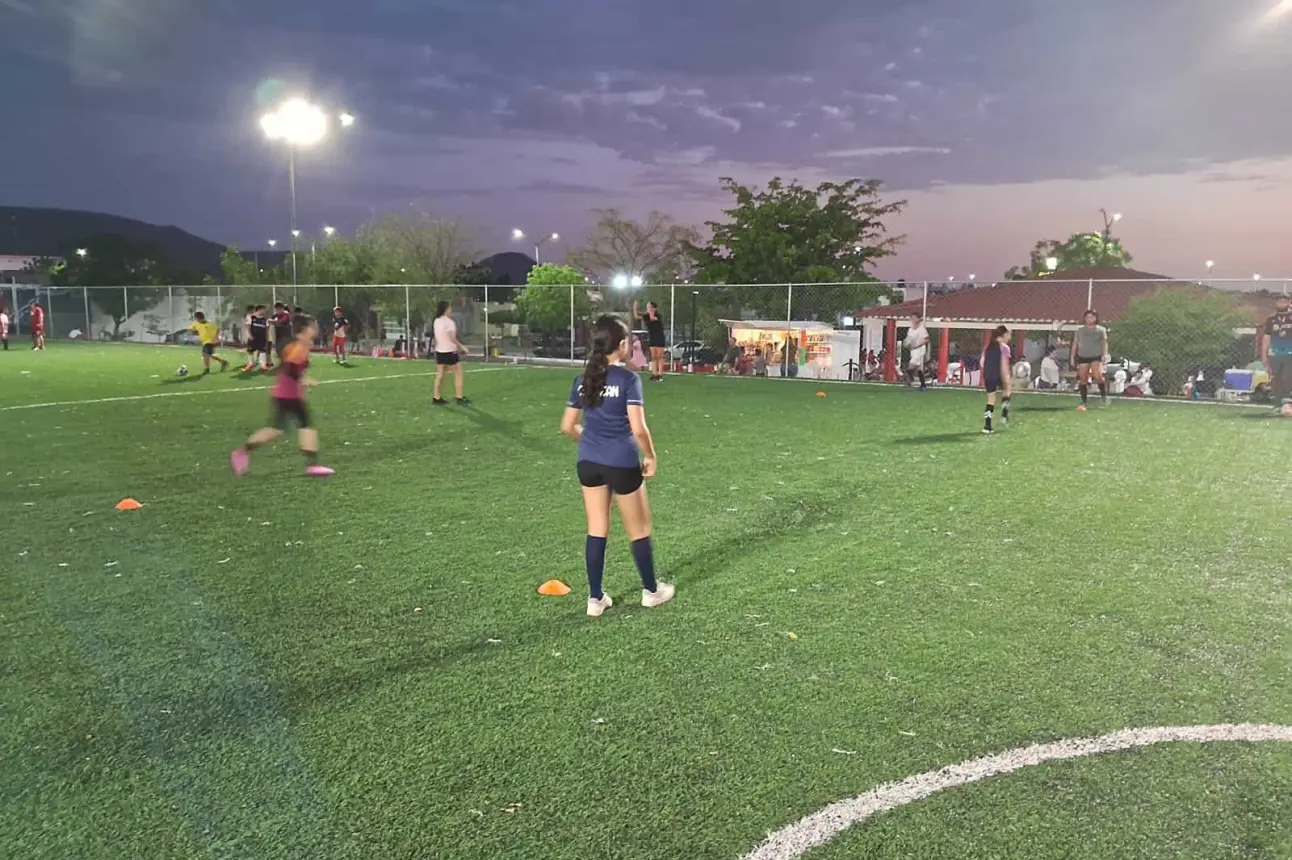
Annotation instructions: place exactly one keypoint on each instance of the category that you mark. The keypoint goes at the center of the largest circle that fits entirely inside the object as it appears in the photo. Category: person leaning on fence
(1278, 351)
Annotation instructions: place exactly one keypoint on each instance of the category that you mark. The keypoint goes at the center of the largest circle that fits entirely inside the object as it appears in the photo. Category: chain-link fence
(1165, 337)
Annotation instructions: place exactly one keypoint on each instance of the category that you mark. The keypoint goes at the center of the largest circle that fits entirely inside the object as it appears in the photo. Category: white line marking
(820, 827)
(200, 392)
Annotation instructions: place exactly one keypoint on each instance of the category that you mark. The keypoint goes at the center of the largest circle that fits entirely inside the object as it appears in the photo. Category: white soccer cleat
(662, 594)
(596, 607)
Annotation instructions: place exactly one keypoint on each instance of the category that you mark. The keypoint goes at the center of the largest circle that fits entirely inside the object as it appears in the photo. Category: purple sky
(1001, 122)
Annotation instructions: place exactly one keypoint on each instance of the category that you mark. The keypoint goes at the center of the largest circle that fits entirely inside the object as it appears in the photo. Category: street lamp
(329, 231)
(517, 234)
(82, 253)
(298, 123)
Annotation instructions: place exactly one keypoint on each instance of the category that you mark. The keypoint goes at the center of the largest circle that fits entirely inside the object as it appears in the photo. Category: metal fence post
(49, 300)
(13, 303)
(85, 296)
(672, 317)
(408, 322)
(924, 309)
(1090, 294)
(789, 329)
(571, 322)
(125, 307)
(170, 310)
(486, 322)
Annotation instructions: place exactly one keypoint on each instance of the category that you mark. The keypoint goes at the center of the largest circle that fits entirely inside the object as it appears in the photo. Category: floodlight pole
(291, 182)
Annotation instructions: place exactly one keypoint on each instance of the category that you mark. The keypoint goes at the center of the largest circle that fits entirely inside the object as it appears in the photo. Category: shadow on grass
(1048, 407)
(1261, 414)
(513, 430)
(938, 438)
(180, 380)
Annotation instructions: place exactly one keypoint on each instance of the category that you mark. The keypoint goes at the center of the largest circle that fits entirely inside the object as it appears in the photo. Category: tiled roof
(1061, 297)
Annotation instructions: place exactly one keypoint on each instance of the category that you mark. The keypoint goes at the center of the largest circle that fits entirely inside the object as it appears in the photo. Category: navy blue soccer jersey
(607, 435)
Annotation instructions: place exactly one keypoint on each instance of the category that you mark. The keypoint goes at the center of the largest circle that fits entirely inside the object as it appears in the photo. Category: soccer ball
(1286, 411)
(183, 370)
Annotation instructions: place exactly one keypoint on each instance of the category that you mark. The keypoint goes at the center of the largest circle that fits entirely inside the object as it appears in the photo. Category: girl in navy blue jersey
(616, 455)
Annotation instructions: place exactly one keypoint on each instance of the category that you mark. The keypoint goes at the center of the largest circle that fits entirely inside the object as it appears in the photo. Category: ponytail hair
(441, 309)
(999, 332)
(608, 334)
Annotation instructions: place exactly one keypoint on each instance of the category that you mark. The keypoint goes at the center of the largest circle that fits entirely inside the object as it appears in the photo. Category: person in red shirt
(37, 326)
(288, 399)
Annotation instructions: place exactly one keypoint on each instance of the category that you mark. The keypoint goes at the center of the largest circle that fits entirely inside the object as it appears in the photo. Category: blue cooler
(1239, 380)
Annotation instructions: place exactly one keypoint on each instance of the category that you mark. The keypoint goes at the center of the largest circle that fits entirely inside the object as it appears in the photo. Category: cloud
(832, 110)
(890, 67)
(717, 116)
(887, 98)
(880, 151)
(645, 119)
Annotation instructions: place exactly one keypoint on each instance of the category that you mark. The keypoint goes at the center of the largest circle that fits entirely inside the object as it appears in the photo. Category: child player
(209, 335)
(257, 339)
(340, 334)
(37, 327)
(616, 455)
(1089, 352)
(996, 377)
(917, 341)
(288, 399)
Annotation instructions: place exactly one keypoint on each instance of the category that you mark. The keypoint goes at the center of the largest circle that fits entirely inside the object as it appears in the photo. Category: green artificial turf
(360, 667)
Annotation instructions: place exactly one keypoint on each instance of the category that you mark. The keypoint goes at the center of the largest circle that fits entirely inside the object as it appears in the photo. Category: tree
(418, 248)
(545, 302)
(114, 263)
(1179, 331)
(619, 245)
(1081, 251)
(789, 233)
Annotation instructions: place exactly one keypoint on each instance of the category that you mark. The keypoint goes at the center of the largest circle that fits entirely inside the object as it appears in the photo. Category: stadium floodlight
(620, 282)
(298, 122)
(82, 252)
(1051, 263)
(273, 242)
(517, 234)
(972, 278)
(329, 231)
(1256, 277)
(1117, 216)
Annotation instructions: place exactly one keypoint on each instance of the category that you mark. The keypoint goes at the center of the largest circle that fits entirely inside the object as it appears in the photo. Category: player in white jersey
(917, 342)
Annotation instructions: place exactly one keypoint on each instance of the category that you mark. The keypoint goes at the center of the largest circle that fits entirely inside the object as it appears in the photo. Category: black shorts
(208, 349)
(992, 383)
(289, 411)
(656, 343)
(621, 480)
(258, 344)
(446, 359)
(1081, 361)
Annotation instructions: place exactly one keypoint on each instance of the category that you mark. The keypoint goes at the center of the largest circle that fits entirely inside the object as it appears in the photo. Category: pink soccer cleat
(240, 460)
(317, 471)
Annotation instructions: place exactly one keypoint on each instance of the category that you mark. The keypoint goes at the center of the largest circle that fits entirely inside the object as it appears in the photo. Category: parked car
(693, 352)
(557, 346)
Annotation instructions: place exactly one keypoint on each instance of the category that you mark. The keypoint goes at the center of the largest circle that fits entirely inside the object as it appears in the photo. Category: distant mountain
(50, 232)
(510, 268)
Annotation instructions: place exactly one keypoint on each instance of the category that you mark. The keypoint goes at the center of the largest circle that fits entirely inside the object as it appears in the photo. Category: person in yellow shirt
(209, 334)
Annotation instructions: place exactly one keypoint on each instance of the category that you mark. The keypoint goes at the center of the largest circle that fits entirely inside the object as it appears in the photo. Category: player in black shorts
(654, 338)
(283, 334)
(257, 339)
(996, 376)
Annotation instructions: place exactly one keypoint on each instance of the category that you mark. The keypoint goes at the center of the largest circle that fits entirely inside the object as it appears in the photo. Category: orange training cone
(554, 588)
(128, 505)
(820, 394)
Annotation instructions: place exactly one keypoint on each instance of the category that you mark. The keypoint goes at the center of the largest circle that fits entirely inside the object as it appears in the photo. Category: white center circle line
(794, 840)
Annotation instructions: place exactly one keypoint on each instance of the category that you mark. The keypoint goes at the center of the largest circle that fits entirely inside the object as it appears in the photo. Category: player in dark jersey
(996, 377)
(257, 339)
(616, 454)
(1276, 351)
(340, 335)
(654, 338)
(282, 322)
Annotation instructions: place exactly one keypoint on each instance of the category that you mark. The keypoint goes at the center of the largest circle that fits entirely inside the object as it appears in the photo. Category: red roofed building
(1052, 304)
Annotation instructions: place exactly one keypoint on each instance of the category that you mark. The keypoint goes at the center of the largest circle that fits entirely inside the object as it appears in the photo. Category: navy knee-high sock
(594, 555)
(644, 556)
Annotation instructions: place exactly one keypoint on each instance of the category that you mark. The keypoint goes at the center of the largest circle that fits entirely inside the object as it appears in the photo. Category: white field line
(820, 827)
(202, 392)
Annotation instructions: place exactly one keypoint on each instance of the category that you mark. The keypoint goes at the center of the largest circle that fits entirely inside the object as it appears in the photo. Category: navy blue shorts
(991, 383)
(622, 481)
